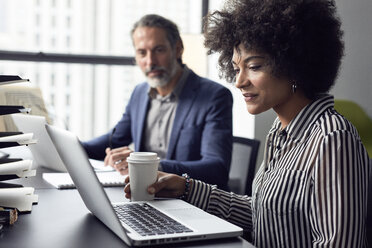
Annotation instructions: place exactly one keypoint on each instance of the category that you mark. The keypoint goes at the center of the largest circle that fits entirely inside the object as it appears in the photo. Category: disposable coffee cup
(143, 167)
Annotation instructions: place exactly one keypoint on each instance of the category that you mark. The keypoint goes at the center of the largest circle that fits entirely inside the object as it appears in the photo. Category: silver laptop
(182, 221)
(43, 152)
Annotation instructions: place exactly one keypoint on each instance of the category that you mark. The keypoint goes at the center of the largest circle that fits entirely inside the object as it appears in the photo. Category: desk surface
(60, 220)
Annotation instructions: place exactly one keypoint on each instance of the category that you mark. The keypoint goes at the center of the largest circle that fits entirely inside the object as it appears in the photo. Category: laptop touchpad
(188, 214)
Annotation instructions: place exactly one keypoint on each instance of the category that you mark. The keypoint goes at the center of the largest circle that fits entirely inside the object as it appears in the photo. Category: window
(53, 42)
(68, 83)
(53, 22)
(68, 41)
(52, 100)
(68, 22)
(90, 89)
(37, 39)
(37, 20)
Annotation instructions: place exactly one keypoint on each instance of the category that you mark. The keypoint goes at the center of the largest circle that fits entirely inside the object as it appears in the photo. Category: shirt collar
(308, 115)
(152, 92)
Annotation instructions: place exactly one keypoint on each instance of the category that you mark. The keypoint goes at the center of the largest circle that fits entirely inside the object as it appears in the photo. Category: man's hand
(117, 158)
(167, 185)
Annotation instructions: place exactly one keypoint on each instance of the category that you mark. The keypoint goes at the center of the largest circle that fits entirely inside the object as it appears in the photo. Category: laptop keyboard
(147, 220)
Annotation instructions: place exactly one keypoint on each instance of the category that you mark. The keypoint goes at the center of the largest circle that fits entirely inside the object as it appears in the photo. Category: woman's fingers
(127, 189)
(167, 185)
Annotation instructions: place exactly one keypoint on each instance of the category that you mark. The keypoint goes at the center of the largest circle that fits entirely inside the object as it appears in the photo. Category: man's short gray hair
(170, 28)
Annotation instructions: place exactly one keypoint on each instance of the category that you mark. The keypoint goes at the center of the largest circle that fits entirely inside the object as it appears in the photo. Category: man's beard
(158, 81)
(163, 79)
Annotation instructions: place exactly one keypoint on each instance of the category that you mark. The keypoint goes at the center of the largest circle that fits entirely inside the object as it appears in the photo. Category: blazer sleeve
(216, 140)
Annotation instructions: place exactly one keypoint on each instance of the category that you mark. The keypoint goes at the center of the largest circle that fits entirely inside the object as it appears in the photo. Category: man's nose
(150, 60)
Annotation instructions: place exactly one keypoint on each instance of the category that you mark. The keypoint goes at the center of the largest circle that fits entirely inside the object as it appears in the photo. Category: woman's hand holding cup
(167, 185)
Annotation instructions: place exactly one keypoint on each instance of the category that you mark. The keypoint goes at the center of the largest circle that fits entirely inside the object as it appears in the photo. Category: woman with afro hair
(311, 188)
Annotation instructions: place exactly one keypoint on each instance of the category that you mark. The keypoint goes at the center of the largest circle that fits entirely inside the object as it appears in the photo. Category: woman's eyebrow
(246, 60)
(249, 58)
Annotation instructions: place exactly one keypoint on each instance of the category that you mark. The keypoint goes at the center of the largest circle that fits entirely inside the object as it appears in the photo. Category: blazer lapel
(141, 117)
(185, 102)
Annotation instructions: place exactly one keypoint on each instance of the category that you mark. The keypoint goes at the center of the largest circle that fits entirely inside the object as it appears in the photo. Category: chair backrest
(369, 222)
(369, 205)
(243, 165)
(359, 118)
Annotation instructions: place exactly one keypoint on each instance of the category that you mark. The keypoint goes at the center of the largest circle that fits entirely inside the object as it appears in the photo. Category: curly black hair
(302, 38)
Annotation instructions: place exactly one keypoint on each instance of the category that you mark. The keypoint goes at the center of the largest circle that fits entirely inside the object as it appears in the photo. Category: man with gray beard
(184, 118)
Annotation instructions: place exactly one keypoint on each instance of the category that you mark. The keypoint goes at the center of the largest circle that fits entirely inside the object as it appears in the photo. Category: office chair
(369, 205)
(243, 165)
(358, 117)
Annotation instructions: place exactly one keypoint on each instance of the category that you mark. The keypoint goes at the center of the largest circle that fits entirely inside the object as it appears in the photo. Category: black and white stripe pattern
(311, 189)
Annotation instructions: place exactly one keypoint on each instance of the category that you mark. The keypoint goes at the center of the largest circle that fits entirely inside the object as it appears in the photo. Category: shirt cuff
(200, 193)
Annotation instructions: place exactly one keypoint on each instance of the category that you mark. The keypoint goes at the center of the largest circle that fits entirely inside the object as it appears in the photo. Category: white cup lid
(143, 157)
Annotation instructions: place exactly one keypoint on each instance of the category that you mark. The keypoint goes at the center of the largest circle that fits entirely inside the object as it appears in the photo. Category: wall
(194, 54)
(355, 78)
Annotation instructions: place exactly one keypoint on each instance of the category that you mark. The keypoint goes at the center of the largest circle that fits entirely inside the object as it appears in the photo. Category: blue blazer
(201, 138)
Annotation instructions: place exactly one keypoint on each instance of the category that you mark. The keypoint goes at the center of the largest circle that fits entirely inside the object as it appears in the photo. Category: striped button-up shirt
(311, 189)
